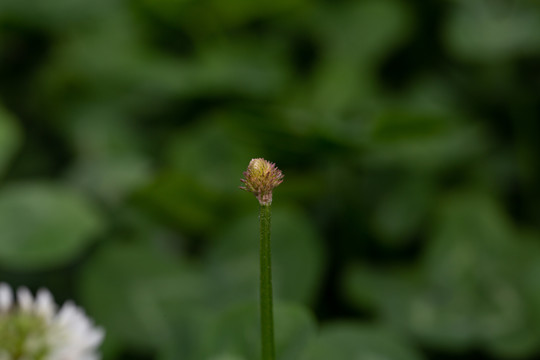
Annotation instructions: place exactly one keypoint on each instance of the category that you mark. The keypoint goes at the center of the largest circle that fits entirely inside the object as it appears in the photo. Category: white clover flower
(32, 329)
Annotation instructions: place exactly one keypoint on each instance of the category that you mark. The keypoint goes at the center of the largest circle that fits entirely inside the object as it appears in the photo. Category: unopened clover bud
(261, 177)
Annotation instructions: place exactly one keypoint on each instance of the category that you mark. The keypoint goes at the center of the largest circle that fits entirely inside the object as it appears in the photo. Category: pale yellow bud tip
(261, 177)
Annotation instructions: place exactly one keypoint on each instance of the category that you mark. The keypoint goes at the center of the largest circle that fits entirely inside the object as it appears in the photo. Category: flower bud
(261, 177)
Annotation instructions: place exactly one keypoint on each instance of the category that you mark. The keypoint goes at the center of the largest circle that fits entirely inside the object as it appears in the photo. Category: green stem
(267, 316)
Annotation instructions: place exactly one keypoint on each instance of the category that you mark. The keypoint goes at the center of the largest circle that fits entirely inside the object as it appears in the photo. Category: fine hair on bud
(260, 178)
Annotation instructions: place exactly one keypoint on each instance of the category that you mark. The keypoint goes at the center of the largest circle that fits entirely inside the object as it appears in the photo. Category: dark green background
(408, 133)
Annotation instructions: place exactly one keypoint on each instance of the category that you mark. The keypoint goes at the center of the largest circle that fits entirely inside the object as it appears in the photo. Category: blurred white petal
(24, 298)
(6, 299)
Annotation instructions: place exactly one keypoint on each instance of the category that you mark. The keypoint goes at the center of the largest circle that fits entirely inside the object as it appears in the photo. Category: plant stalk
(267, 315)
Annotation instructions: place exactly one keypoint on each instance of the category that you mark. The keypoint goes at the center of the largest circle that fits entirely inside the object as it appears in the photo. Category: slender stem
(267, 316)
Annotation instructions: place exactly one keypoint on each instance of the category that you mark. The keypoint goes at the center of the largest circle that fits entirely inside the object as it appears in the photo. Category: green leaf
(108, 163)
(385, 291)
(344, 341)
(473, 270)
(237, 331)
(183, 201)
(232, 13)
(10, 138)
(145, 298)
(470, 287)
(401, 210)
(297, 257)
(488, 31)
(195, 150)
(353, 40)
(198, 190)
(227, 357)
(44, 225)
(419, 140)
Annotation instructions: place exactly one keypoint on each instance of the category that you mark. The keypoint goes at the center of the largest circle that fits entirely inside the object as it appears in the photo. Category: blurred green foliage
(407, 225)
